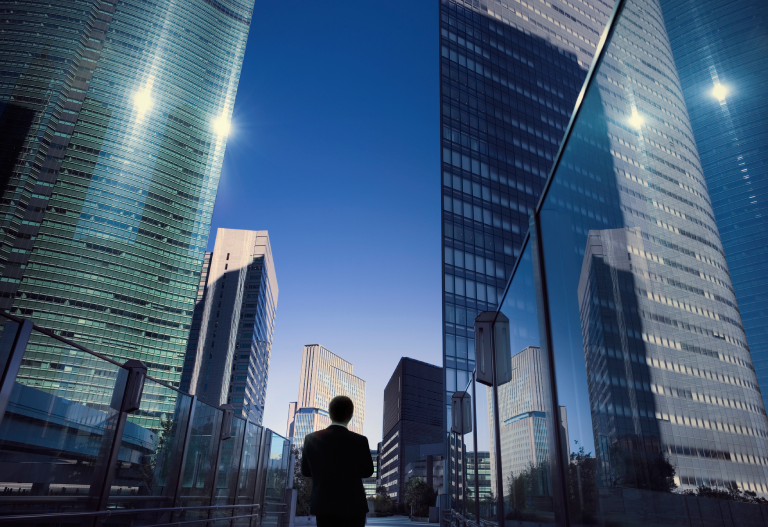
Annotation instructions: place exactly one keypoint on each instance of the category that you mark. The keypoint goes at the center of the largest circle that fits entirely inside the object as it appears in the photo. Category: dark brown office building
(413, 418)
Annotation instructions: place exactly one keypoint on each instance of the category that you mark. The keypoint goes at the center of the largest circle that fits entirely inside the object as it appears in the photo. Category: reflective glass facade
(510, 74)
(113, 118)
(729, 117)
(652, 406)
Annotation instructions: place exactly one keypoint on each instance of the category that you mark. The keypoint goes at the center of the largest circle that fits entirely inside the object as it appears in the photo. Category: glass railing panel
(525, 407)
(664, 415)
(7, 339)
(247, 481)
(277, 478)
(57, 431)
(230, 464)
(150, 455)
(199, 469)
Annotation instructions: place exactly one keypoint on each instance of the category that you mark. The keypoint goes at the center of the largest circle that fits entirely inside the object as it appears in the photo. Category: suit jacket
(337, 460)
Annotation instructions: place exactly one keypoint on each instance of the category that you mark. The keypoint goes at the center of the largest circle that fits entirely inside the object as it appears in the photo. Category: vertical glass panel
(662, 409)
(149, 462)
(229, 469)
(249, 463)
(199, 468)
(525, 407)
(57, 431)
(277, 477)
(478, 448)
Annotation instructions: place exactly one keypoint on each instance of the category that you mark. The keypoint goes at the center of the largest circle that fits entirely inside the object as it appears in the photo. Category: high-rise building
(291, 426)
(632, 246)
(412, 421)
(113, 125)
(369, 484)
(523, 418)
(484, 478)
(510, 76)
(729, 116)
(230, 343)
(324, 375)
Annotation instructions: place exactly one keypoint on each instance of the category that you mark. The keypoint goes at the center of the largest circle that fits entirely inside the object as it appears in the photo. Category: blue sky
(334, 150)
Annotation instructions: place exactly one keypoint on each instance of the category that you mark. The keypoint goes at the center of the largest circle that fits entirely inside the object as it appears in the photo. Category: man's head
(341, 409)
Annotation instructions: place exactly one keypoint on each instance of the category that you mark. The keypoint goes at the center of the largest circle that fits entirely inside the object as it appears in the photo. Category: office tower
(230, 344)
(113, 125)
(421, 469)
(510, 75)
(729, 115)
(522, 409)
(639, 283)
(291, 426)
(369, 484)
(412, 421)
(324, 375)
(484, 477)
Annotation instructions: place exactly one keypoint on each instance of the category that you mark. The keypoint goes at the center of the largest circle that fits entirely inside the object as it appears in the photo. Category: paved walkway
(398, 521)
(391, 521)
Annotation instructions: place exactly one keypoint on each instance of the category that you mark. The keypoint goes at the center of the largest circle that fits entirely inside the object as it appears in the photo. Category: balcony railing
(87, 441)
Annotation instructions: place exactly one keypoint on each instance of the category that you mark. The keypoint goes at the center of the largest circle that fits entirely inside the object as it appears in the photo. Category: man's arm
(305, 470)
(366, 464)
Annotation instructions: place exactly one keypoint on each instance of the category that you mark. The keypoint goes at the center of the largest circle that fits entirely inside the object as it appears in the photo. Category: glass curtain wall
(632, 397)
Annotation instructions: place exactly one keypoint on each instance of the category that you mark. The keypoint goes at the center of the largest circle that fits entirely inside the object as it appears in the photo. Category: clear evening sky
(334, 150)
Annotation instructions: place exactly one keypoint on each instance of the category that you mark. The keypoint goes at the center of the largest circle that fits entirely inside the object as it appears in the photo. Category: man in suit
(337, 460)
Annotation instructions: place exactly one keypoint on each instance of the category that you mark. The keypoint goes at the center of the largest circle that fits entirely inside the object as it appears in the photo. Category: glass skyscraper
(113, 124)
(650, 396)
(510, 75)
(719, 41)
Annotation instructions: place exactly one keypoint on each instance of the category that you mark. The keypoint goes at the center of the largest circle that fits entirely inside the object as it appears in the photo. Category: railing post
(125, 402)
(12, 347)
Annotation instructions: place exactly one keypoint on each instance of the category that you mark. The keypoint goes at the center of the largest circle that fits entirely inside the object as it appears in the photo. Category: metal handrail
(68, 342)
(116, 512)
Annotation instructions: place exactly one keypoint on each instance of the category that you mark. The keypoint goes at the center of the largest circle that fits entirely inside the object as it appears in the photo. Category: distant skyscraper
(113, 126)
(412, 421)
(510, 75)
(728, 109)
(230, 344)
(369, 484)
(290, 429)
(522, 409)
(324, 375)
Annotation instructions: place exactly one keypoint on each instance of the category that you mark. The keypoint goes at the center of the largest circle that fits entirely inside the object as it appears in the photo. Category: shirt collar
(340, 424)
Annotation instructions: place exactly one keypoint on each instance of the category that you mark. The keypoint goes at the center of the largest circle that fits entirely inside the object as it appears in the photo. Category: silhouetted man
(337, 460)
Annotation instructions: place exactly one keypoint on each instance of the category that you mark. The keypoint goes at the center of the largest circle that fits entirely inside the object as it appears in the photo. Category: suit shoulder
(359, 437)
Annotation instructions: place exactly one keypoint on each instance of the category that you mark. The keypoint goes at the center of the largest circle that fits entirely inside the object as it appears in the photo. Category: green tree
(302, 484)
(382, 503)
(419, 496)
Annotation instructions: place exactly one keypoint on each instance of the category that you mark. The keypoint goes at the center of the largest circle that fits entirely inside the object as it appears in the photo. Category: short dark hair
(341, 409)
